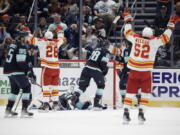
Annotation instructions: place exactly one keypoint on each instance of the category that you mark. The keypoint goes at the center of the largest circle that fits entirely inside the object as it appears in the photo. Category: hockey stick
(21, 93)
(31, 11)
(38, 85)
(18, 101)
(117, 17)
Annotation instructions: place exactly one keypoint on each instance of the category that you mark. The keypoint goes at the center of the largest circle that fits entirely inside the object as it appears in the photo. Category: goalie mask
(147, 32)
(64, 102)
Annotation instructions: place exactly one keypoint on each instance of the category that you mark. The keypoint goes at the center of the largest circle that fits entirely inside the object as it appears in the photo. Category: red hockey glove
(172, 21)
(127, 16)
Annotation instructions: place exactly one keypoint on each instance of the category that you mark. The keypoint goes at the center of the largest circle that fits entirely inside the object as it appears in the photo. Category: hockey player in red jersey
(50, 67)
(141, 61)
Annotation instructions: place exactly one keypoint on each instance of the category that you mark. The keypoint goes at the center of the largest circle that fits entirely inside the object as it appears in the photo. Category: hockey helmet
(48, 35)
(147, 32)
(104, 43)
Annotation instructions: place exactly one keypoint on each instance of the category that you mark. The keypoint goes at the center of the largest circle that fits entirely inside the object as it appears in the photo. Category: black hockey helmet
(104, 43)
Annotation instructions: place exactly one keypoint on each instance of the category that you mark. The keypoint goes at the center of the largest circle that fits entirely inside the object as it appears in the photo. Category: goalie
(64, 102)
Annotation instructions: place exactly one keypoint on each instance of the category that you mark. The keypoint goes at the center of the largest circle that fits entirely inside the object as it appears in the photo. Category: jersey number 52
(142, 51)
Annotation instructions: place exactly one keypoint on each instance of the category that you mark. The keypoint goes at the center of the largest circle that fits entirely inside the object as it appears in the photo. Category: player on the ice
(141, 61)
(96, 68)
(18, 68)
(48, 47)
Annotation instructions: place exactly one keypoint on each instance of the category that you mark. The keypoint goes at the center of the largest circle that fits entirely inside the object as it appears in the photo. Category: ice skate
(26, 114)
(98, 106)
(141, 117)
(45, 107)
(126, 116)
(9, 113)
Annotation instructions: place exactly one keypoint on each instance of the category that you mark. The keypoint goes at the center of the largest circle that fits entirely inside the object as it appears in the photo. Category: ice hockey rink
(160, 121)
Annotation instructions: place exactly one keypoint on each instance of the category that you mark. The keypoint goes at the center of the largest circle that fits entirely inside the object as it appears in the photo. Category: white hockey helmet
(147, 32)
(48, 35)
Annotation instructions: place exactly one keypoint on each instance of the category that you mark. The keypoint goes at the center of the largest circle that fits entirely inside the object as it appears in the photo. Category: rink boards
(165, 90)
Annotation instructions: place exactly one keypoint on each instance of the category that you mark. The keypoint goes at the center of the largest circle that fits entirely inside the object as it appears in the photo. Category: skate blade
(97, 109)
(141, 122)
(7, 116)
(56, 109)
(125, 122)
(26, 117)
(43, 111)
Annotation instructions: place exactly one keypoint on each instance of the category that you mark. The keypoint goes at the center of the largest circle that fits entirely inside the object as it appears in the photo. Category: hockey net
(69, 78)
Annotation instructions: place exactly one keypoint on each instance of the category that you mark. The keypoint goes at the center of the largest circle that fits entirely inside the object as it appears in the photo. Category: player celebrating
(141, 62)
(50, 68)
(17, 67)
(96, 68)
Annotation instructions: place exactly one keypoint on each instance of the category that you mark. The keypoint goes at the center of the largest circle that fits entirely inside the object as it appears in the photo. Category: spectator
(19, 7)
(57, 27)
(43, 26)
(89, 39)
(73, 53)
(166, 3)
(99, 28)
(4, 6)
(73, 7)
(54, 7)
(87, 15)
(22, 27)
(68, 17)
(72, 35)
(3, 33)
(161, 21)
(106, 10)
(43, 4)
(6, 20)
(43, 8)
(90, 3)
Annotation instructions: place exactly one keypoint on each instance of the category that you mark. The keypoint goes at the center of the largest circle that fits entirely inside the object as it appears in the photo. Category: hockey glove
(105, 71)
(31, 77)
(172, 21)
(127, 16)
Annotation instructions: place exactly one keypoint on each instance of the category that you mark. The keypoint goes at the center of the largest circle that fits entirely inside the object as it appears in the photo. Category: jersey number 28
(51, 51)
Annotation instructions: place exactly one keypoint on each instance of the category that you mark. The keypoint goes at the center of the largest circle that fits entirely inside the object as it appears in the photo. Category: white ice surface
(160, 121)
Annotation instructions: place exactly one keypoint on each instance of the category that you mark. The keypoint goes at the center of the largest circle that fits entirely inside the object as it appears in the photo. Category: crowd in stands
(62, 18)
